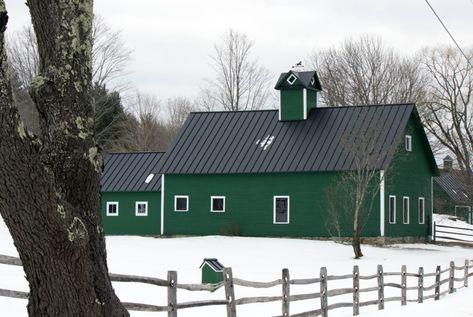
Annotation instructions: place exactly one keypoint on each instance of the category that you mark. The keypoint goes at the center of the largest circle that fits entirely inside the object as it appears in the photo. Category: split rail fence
(448, 276)
(451, 233)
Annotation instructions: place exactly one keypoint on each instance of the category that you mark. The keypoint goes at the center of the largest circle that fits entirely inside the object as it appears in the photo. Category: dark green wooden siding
(249, 205)
(409, 175)
(292, 104)
(311, 99)
(210, 276)
(127, 223)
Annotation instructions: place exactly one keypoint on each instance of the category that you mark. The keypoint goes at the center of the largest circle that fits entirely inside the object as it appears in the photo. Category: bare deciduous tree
(364, 71)
(240, 83)
(177, 110)
(447, 112)
(49, 188)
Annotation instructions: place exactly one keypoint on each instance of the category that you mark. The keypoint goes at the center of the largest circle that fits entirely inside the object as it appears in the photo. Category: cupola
(298, 94)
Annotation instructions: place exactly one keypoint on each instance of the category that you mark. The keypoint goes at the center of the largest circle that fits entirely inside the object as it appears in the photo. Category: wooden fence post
(434, 233)
(229, 291)
(437, 283)
(172, 293)
(356, 290)
(451, 276)
(285, 292)
(465, 279)
(403, 286)
(323, 291)
(380, 287)
(420, 286)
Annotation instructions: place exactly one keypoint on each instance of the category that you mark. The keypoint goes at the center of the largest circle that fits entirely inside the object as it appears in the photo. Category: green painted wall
(126, 223)
(292, 104)
(311, 100)
(249, 205)
(409, 175)
(210, 276)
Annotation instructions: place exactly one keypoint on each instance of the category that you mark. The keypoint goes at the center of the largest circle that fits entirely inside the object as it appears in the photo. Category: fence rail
(322, 292)
(456, 234)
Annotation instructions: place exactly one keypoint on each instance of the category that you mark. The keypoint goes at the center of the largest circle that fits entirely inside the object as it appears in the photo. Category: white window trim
(112, 203)
(175, 203)
(288, 210)
(212, 203)
(381, 203)
(291, 79)
(136, 208)
(408, 210)
(419, 211)
(391, 211)
(408, 143)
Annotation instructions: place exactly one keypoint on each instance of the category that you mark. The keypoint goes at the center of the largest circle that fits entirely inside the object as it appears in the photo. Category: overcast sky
(172, 39)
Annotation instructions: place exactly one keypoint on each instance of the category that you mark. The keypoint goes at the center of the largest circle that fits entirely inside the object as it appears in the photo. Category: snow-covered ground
(260, 259)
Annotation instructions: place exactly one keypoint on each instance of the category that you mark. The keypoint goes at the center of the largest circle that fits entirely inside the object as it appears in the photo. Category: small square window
(112, 208)
(312, 81)
(217, 204)
(291, 79)
(181, 203)
(281, 210)
(408, 143)
(141, 208)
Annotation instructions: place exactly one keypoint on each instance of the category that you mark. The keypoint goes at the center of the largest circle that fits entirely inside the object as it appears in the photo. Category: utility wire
(448, 32)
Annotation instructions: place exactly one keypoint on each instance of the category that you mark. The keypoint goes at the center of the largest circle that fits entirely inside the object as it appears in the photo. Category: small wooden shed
(212, 271)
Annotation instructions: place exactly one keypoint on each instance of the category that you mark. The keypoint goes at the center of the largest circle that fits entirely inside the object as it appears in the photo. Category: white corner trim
(162, 204)
(305, 103)
(279, 105)
(381, 203)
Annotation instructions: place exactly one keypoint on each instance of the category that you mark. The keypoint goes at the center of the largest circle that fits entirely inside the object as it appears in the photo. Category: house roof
(304, 78)
(130, 171)
(213, 263)
(453, 184)
(257, 142)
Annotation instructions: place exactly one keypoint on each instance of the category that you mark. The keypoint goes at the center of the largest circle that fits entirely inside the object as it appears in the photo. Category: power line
(448, 32)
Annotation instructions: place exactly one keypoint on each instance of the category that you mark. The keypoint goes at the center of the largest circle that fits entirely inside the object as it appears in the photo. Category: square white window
(281, 210)
(392, 209)
(141, 208)
(181, 203)
(405, 210)
(408, 143)
(291, 79)
(421, 209)
(112, 208)
(217, 203)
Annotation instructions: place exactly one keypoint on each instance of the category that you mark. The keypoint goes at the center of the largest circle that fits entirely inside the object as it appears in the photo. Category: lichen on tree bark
(49, 184)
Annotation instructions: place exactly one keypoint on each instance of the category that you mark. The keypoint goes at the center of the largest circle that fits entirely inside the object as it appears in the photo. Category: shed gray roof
(129, 171)
(257, 142)
(214, 264)
(304, 77)
(453, 184)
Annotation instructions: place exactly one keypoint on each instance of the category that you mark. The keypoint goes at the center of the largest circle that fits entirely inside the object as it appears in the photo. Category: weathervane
(298, 66)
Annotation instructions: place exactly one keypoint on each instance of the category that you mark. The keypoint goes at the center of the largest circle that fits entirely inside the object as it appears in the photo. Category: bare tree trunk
(49, 186)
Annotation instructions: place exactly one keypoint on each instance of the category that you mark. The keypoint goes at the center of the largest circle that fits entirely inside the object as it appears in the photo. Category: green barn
(272, 173)
(131, 194)
(451, 194)
(267, 173)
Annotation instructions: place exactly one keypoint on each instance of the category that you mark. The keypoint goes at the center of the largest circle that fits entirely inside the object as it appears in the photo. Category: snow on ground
(452, 221)
(260, 259)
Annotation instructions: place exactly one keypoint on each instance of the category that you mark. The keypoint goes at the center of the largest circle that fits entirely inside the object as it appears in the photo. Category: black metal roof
(257, 142)
(214, 264)
(129, 171)
(453, 184)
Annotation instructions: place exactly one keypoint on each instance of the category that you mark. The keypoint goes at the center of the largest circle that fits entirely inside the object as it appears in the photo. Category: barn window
(217, 203)
(291, 79)
(405, 210)
(141, 208)
(408, 143)
(281, 210)
(421, 209)
(112, 208)
(392, 209)
(181, 203)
